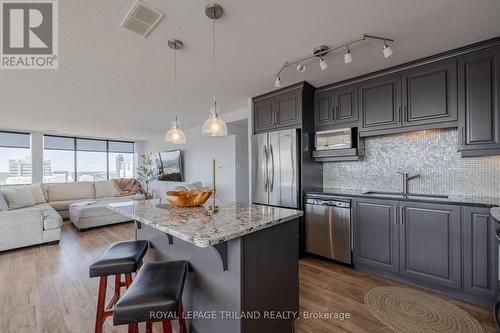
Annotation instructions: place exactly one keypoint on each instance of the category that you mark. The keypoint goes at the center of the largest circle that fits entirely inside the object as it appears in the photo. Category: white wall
(240, 131)
(198, 152)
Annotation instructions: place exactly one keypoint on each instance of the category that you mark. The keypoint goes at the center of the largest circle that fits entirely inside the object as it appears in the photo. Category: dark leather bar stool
(120, 258)
(155, 295)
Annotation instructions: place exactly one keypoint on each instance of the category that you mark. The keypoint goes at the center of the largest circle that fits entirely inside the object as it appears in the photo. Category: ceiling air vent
(141, 19)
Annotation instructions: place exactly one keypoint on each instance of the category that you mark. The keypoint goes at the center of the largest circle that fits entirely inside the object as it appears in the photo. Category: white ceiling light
(347, 56)
(301, 68)
(322, 64)
(175, 134)
(214, 125)
(387, 50)
(277, 82)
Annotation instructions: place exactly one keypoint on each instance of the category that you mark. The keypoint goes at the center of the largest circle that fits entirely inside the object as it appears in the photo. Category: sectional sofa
(34, 214)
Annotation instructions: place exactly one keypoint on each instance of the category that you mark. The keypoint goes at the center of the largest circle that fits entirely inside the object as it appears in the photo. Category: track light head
(277, 82)
(387, 50)
(301, 67)
(347, 56)
(322, 64)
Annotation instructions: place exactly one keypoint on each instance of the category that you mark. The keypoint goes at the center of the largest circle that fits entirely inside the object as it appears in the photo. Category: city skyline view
(59, 166)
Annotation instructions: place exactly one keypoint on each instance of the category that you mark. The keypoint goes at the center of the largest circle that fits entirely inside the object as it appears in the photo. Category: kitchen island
(243, 261)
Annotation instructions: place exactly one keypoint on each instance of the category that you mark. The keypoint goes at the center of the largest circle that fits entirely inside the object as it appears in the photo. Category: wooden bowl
(192, 198)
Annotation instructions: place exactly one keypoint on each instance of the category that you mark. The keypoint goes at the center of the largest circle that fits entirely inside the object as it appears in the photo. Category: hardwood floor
(325, 286)
(47, 289)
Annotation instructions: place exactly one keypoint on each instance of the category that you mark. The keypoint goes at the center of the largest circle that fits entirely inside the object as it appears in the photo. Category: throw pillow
(18, 197)
(37, 193)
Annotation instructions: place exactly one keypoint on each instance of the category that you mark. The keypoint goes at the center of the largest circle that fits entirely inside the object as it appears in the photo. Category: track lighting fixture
(322, 64)
(347, 56)
(277, 82)
(323, 50)
(387, 50)
(301, 67)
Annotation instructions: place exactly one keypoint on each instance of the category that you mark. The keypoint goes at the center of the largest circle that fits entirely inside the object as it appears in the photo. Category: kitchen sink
(409, 195)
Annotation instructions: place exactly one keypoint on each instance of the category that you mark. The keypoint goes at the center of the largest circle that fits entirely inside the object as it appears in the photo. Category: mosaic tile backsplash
(432, 154)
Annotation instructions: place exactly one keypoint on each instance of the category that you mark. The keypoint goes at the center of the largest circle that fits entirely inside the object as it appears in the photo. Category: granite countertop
(197, 226)
(464, 200)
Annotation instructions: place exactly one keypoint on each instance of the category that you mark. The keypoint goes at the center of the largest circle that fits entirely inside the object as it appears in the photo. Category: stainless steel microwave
(334, 139)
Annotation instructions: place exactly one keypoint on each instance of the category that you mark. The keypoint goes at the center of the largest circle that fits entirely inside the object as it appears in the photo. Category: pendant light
(175, 134)
(214, 126)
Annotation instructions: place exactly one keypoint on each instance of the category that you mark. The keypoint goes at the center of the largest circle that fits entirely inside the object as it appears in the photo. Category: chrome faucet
(406, 180)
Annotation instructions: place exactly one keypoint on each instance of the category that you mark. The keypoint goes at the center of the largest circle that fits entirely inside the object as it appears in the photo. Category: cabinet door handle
(462, 138)
(275, 117)
(405, 113)
(399, 113)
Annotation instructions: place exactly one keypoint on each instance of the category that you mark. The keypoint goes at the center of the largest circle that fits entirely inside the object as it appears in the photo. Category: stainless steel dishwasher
(328, 228)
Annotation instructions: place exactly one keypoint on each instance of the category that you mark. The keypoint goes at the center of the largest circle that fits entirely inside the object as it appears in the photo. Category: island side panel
(208, 288)
(270, 277)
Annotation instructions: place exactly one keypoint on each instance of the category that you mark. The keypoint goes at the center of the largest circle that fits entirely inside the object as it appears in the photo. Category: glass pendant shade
(214, 126)
(175, 134)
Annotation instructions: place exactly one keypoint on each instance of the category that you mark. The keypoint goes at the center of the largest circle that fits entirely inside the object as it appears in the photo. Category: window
(58, 159)
(15, 158)
(121, 159)
(92, 160)
(69, 159)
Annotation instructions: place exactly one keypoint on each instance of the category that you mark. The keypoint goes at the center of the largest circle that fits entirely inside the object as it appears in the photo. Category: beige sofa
(84, 203)
(34, 214)
(26, 218)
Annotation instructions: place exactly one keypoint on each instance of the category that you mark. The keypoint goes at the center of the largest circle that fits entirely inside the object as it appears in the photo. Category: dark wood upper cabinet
(345, 105)
(336, 108)
(264, 113)
(284, 108)
(376, 234)
(479, 101)
(429, 243)
(380, 103)
(288, 109)
(429, 94)
(323, 112)
(480, 252)
(419, 98)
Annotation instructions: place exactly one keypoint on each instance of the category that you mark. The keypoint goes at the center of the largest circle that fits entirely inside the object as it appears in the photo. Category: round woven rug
(412, 311)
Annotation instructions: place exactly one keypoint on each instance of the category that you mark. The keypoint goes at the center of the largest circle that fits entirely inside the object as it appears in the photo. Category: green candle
(213, 175)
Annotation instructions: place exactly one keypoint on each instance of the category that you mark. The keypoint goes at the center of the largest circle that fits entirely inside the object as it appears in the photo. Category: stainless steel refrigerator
(275, 168)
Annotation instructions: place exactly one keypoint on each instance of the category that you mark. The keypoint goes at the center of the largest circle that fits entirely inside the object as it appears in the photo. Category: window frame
(76, 150)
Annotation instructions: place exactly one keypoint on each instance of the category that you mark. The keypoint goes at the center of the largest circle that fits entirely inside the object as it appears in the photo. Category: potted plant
(146, 173)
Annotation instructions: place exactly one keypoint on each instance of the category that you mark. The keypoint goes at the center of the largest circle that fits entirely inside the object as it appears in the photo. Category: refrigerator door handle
(272, 167)
(265, 167)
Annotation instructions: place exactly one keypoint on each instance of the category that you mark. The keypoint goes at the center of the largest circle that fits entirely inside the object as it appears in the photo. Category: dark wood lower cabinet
(448, 248)
(480, 252)
(376, 234)
(429, 243)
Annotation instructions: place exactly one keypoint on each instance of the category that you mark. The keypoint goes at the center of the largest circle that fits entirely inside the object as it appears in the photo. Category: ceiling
(114, 83)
